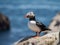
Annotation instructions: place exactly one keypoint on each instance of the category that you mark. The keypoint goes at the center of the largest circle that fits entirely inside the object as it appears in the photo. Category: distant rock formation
(4, 22)
(55, 23)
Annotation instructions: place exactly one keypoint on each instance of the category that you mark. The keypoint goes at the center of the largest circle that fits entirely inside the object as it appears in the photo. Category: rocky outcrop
(55, 23)
(4, 22)
(48, 39)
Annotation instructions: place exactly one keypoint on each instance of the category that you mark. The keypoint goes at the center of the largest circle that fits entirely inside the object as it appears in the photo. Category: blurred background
(15, 10)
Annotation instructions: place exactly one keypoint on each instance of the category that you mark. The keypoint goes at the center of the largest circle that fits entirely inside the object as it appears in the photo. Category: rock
(55, 23)
(48, 39)
(4, 22)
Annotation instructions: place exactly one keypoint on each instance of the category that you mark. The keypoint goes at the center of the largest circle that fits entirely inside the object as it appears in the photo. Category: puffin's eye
(27, 15)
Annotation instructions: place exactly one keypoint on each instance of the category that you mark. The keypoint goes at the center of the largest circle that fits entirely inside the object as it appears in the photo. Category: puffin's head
(30, 15)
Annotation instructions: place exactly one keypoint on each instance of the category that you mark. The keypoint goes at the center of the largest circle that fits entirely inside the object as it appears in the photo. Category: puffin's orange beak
(25, 16)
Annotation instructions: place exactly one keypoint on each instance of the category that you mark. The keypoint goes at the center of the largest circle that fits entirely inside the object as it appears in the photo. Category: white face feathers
(30, 14)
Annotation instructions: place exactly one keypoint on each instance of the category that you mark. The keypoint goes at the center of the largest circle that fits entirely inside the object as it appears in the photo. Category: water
(15, 10)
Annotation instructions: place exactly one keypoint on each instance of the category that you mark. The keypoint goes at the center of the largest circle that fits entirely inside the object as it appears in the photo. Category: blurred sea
(44, 10)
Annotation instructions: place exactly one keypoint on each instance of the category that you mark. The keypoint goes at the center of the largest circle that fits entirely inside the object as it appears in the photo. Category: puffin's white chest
(32, 25)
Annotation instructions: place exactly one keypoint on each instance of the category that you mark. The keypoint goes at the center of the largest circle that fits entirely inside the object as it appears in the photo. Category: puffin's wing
(39, 24)
(42, 26)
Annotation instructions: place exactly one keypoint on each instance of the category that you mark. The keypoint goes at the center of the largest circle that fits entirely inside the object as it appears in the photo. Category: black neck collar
(32, 18)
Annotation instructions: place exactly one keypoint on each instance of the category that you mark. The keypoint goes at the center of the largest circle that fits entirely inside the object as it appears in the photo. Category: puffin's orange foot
(36, 36)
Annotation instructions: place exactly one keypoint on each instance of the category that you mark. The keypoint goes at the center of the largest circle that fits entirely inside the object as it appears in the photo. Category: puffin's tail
(47, 30)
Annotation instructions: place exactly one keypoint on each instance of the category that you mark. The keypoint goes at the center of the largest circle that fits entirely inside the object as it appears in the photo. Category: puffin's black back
(42, 26)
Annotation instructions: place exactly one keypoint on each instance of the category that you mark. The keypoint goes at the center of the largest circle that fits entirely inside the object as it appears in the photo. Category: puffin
(34, 25)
